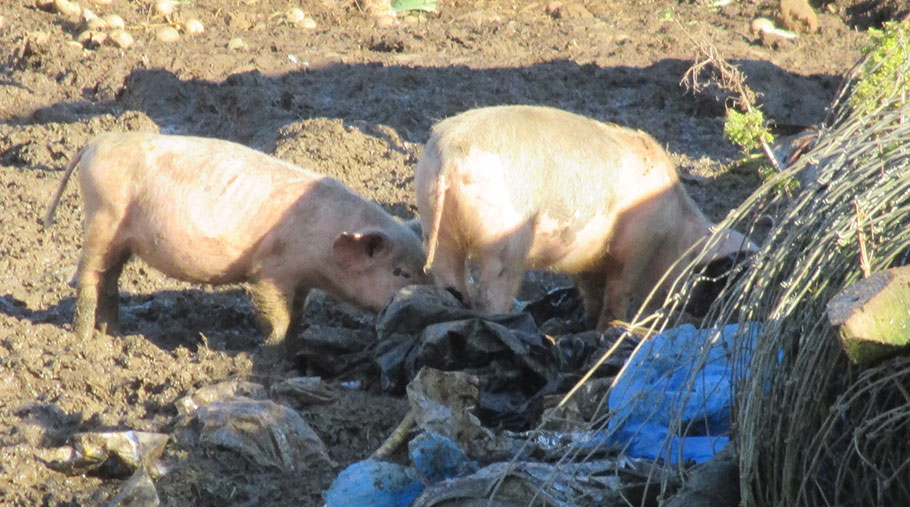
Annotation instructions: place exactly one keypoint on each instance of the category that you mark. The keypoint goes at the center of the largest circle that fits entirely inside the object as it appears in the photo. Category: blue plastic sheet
(385, 484)
(684, 374)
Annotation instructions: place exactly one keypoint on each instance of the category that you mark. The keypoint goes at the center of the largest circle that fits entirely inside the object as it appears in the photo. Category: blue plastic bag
(671, 377)
(385, 484)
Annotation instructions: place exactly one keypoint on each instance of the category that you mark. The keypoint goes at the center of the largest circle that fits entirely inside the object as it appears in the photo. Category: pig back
(194, 208)
(509, 165)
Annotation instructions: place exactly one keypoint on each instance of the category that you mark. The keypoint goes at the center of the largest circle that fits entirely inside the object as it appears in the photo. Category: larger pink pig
(212, 211)
(528, 187)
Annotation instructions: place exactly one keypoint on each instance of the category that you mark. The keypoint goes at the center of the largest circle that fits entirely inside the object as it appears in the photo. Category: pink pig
(527, 187)
(212, 211)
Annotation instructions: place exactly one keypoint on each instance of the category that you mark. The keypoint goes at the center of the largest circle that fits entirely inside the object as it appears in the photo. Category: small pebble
(113, 21)
(67, 8)
(165, 7)
(294, 15)
(122, 38)
(193, 27)
(91, 37)
(236, 43)
(167, 34)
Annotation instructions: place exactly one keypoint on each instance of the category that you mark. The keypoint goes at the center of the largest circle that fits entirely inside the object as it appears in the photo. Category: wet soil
(353, 96)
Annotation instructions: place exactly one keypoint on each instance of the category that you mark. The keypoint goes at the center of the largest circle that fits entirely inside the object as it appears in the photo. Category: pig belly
(201, 258)
(213, 235)
(570, 247)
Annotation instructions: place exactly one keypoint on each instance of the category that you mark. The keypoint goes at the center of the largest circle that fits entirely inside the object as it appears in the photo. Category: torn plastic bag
(530, 483)
(227, 389)
(139, 491)
(515, 363)
(558, 312)
(264, 432)
(673, 400)
(110, 453)
(302, 392)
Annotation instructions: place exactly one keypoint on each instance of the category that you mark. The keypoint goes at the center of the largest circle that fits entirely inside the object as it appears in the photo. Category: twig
(730, 79)
(861, 239)
(397, 438)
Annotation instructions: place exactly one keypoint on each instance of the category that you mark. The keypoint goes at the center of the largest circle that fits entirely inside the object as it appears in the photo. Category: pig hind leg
(107, 317)
(99, 269)
(501, 266)
(448, 269)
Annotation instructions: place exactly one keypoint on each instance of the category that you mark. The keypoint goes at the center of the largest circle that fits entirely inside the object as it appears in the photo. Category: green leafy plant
(747, 130)
(887, 62)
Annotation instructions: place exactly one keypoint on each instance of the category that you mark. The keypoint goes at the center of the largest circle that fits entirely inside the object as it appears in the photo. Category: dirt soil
(352, 95)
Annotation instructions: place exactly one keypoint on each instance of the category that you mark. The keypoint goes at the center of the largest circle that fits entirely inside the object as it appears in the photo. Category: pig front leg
(591, 286)
(274, 303)
(623, 281)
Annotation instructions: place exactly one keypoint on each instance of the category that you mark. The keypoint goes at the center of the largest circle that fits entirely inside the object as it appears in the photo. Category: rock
(236, 43)
(121, 38)
(167, 34)
(193, 27)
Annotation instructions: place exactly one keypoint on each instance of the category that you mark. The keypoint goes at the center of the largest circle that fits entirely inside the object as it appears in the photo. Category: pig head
(211, 211)
(527, 187)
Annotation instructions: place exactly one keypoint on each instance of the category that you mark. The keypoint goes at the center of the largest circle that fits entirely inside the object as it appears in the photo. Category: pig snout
(510, 188)
(211, 211)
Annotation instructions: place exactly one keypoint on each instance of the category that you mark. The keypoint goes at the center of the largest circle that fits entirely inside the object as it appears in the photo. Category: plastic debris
(112, 454)
(532, 483)
(139, 491)
(264, 432)
(384, 484)
(671, 379)
(443, 402)
(374, 483)
(515, 363)
(187, 405)
(301, 392)
(413, 5)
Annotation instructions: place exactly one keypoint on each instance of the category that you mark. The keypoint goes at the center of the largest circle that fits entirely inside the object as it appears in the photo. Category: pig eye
(399, 272)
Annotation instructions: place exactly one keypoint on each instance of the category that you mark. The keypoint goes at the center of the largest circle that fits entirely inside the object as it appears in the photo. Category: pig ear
(356, 250)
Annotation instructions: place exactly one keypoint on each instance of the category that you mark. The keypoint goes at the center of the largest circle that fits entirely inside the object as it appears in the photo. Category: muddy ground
(351, 95)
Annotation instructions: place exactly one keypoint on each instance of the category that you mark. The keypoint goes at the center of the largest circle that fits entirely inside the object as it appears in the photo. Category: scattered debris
(769, 34)
(262, 431)
(301, 392)
(220, 391)
(139, 491)
(433, 458)
(113, 454)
